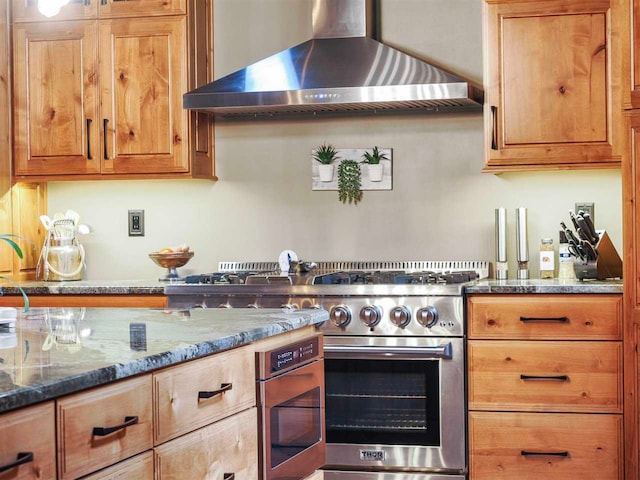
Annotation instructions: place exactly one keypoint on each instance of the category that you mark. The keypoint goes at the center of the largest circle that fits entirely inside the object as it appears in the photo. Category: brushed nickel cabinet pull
(104, 431)
(224, 387)
(562, 378)
(21, 459)
(89, 122)
(526, 453)
(494, 127)
(545, 319)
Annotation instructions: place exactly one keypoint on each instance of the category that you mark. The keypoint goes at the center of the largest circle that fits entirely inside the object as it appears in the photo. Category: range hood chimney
(342, 69)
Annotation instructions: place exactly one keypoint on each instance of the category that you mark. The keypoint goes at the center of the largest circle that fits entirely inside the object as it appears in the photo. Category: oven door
(292, 418)
(395, 403)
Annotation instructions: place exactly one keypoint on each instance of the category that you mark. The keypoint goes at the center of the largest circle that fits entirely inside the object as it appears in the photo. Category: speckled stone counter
(51, 352)
(543, 286)
(88, 287)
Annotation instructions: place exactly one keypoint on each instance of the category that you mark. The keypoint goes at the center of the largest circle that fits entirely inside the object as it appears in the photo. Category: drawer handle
(542, 319)
(22, 458)
(494, 127)
(103, 431)
(526, 453)
(562, 378)
(89, 122)
(229, 476)
(105, 123)
(224, 387)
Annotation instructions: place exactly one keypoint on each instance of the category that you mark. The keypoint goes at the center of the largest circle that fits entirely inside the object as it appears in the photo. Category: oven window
(295, 426)
(386, 402)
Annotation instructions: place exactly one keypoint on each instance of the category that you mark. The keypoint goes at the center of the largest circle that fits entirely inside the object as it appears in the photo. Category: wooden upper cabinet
(552, 78)
(140, 8)
(56, 98)
(27, 10)
(631, 56)
(102, 98)
(143, 77)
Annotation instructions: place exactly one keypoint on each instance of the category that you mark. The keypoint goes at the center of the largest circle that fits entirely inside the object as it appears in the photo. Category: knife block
(607, 265)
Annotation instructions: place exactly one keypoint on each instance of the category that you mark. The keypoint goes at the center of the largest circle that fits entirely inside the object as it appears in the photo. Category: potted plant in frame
(374, 167)
(325, 154)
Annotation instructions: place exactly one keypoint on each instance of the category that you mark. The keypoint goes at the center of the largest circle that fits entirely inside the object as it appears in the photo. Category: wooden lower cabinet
(82, 449)
(139, 467)
(545, 376)
(228, 380)
(545, 387)
(229, 446)
(17, 437)
(508, 446)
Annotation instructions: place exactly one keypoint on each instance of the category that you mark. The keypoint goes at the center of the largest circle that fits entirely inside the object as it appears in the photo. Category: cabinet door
(121, 410)
(631, 55)
(225, 449)
(27, 11)
(29, 202)
(553, 446)
(143, 76)
(141, 8)
(553, 85)
(6, 252)
(55, 98)
(29, 430)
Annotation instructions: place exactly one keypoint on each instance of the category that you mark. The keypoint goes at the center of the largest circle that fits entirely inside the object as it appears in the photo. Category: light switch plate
(586, 207)
(136, 223)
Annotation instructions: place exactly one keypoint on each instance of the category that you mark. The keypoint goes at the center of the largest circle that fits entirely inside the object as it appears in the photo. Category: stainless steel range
(394, 356)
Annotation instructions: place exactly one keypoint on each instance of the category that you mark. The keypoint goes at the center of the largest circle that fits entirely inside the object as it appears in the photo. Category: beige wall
(441, 206)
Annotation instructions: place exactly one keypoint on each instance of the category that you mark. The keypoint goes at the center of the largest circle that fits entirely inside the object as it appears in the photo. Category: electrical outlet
(136, 223)
(586, 207)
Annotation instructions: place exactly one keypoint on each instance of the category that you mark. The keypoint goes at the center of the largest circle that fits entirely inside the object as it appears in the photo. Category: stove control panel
(392, 316)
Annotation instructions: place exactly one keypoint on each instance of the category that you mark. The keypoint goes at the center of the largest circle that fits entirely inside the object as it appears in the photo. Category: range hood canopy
(342, 69)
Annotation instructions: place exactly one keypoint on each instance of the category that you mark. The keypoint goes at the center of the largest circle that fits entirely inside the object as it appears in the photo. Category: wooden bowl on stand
(171, 261)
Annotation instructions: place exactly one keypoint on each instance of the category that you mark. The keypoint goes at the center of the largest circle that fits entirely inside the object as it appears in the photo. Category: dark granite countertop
(543, 286)
(87, 287)
(51, 352)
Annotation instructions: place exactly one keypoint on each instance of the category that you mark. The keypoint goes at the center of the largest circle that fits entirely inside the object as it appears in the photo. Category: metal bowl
(171, 261)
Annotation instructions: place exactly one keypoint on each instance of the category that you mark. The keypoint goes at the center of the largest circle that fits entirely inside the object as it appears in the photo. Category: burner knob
(427, 316)
(224, 305)
(340, 315)
(400, 316)
(370, 315)
(288, 307)
(252, 305)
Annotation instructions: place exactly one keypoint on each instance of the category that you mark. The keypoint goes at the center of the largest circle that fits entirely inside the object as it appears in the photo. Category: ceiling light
(50, 8)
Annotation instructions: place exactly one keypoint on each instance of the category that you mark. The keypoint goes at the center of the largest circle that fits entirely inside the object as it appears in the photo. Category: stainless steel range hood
(342, 69)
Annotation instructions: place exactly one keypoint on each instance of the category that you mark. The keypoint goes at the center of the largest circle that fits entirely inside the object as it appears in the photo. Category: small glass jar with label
(547, 258)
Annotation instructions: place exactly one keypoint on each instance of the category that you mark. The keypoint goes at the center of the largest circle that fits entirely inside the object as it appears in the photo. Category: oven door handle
(390, 353)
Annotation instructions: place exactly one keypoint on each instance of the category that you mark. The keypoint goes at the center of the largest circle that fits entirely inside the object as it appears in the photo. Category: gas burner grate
(481, 267)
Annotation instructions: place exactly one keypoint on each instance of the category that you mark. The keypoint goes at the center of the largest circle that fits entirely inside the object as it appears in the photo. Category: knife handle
(591, 227)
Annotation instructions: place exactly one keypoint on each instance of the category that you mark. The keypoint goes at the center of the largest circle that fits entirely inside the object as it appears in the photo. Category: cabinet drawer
(228, 446)
(139, 467)
(179, 404)
(29, 430)
(80, 450)
(562, 317)
(577, 376)
(503, 446)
